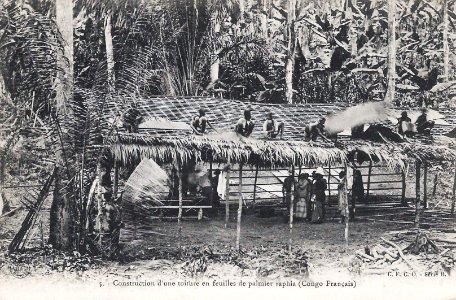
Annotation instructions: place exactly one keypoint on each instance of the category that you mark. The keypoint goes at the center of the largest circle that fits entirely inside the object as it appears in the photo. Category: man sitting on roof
(405, 125)
(424, 126)
(315, 130)
(245, 125)
(132, 118)
(273, 128)
(200, 122)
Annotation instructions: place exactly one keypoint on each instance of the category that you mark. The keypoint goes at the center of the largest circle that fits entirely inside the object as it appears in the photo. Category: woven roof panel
(224, 113)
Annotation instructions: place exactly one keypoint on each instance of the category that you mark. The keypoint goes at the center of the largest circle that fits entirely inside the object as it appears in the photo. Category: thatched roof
(180, 145)
(220, 148)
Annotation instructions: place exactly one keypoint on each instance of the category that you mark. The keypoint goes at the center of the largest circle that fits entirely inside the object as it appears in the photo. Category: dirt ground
(318, 251)
(319, 254)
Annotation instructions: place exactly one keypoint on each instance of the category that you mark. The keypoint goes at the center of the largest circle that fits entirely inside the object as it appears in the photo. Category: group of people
(244, 125)
(200, 124)
(271, 127)
(422, 124)
(308, 195)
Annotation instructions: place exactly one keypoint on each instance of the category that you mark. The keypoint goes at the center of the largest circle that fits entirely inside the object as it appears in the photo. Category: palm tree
(63, 217)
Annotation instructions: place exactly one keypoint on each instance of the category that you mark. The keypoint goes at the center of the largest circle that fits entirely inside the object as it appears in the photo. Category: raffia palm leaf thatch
(218, 148)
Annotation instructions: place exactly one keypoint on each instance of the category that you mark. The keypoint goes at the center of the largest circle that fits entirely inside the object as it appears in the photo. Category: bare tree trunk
(62, 214)
(262, 7)
(215, 61)
(391, 51)
(291, 47)
(109, 53)
(446, 49)
(241, 9)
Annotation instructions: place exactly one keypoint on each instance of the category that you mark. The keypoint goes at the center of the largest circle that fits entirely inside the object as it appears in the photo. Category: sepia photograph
(220, 149)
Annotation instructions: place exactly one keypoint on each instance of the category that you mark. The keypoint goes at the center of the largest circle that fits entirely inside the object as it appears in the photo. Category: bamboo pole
(425, 202)
(227, 194)
(239, 212)
(369, 179)
(291, 209)
(254, 187)
(179, 216)
(454, 193)
(418, 198)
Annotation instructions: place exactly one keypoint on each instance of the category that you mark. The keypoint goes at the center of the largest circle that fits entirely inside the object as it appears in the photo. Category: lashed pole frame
(418, 196)
(291, 209)
(239, 212)
(227, 194)
(179, 215)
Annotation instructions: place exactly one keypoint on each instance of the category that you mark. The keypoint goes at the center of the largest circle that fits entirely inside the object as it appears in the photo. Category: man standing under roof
(200, 122)
(272, 128)
(245, 125)
(315, 130)
(424, 126)
(319, 197)
(132, 118)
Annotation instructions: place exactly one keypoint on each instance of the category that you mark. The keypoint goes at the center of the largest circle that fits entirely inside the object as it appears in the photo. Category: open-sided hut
(179, 146)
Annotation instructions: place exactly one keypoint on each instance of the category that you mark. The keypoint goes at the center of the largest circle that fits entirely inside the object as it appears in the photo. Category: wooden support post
(115, 188)
(369, 179)
(99, 198)
(425, 202)
(239, 212)
(227, 194)
(211, 197)
(179, 216)
(255, 186)
(404, 185)
(434, 188)
(454, 193)
(347, 210)
(291, 210)
(329, 183)
(418, 196)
